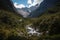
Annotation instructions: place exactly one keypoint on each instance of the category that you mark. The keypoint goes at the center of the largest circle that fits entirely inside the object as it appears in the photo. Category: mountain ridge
(43, 7)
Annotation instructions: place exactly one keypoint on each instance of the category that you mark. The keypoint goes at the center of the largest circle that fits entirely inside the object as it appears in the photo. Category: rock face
(43, 7)
(7, 5)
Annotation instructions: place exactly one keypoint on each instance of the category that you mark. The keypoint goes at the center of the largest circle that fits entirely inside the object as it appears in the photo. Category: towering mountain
(7, 5)
(43, 7)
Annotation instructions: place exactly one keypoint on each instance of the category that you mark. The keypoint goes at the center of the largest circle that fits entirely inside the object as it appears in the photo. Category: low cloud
(19, 5)
(29, 1)
(35, 2)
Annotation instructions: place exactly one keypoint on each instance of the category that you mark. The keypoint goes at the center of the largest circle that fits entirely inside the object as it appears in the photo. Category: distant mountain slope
(25, 12)
(26, 9)
(43, 7)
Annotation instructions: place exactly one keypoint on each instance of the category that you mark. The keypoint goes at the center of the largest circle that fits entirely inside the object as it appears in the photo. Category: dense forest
(13, 26)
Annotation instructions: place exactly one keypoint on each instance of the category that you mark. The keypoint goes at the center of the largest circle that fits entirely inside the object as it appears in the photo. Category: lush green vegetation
(12, 26)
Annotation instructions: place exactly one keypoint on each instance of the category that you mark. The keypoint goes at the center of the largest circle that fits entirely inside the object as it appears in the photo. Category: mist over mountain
(25, 12)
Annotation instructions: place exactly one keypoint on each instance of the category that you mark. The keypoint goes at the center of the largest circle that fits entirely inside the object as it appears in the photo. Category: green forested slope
(12, 25)
(49, 24)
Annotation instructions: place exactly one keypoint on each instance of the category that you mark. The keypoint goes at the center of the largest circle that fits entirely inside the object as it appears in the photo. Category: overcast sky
(26, 3)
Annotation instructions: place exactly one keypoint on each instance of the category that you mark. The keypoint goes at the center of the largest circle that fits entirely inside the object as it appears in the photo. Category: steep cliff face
(7, 5)
(46, 4)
